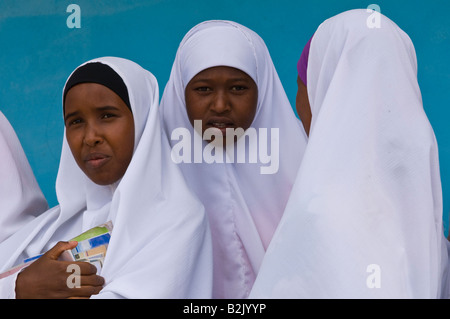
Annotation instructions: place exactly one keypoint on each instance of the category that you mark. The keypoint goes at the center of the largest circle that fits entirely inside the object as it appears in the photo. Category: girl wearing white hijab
(21, 199)
(364, 219)
(160, 245)
(243, 203)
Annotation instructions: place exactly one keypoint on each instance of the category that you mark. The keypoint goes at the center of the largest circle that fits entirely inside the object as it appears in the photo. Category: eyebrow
(68, 116)
(100, 109)
(237, 79)
(107, 108)
(240, 79)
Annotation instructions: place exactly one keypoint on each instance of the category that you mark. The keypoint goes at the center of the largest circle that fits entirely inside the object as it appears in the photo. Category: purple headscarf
(302, 64)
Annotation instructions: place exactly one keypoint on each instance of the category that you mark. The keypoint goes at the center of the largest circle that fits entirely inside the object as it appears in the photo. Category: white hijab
(243, 205)
(21, 199)
(160, 245)
(364, 219)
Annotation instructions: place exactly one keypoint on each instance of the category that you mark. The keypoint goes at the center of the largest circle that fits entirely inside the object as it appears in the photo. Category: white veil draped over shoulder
(160, 245)
(21, 198)
(364, 219)
(243, 204)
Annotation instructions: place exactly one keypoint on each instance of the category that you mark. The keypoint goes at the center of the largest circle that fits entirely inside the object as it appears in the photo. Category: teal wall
(38, 51)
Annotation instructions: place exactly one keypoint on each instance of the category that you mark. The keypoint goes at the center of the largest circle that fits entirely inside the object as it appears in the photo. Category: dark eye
(203, 89)
(73, 122)
(108, 116)
(239, 89)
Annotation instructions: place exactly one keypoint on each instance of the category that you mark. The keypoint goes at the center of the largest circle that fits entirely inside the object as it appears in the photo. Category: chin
(102, 181)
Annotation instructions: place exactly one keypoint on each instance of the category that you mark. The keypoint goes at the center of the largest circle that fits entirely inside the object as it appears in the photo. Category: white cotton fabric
(160, 245)
(21, 198)
(364, 219)
(243, 205)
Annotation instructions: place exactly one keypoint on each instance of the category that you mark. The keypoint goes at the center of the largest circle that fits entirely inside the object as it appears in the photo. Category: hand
(46, 278)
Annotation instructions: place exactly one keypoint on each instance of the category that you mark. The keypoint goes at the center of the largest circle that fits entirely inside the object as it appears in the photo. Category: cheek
(195, 107)
(125, 143)
(190, 110)
(297, 103)
(75, 141)
(247, 110)
(302, 105)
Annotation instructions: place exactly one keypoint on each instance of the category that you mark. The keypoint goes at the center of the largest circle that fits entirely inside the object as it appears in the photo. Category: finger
(59, 248)
(84, 268)
(85, 291)
(92, 280)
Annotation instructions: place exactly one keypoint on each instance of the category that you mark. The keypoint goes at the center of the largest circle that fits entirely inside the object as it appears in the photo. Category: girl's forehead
(93, 95)
(217, 46)
(222, 72)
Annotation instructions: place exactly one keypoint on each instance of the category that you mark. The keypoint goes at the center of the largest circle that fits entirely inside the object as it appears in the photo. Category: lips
(96, 160)
(221, 123)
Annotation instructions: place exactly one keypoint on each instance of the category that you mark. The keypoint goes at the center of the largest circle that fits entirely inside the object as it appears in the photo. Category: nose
(92, 136)
(221, 103)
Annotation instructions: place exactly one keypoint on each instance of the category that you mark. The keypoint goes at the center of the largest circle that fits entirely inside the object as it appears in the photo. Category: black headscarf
(96, 72)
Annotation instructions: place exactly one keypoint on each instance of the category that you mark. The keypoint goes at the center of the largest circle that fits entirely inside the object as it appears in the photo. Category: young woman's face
(221, 97)
(99, 131)
(302, 105)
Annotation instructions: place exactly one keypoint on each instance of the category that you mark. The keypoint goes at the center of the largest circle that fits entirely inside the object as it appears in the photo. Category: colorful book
(92, 247)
